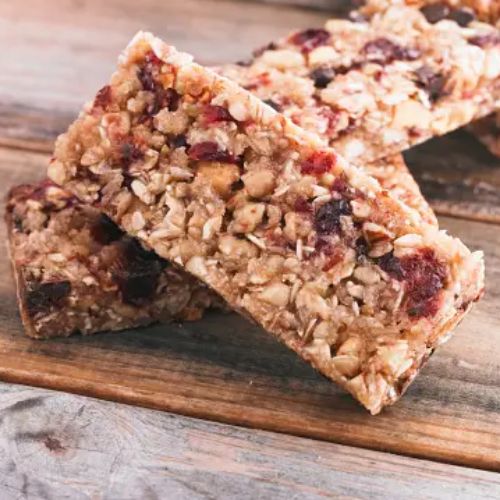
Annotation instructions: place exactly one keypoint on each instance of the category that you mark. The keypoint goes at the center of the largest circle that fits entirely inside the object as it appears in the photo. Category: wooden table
(242, 417)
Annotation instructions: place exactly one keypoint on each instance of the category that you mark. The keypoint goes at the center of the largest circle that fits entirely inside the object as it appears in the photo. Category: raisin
(384, 51)
(136, 271)
(214, 114)
(103, 98)
(309, 39)
(327, 217)
(483, 41)
(273, 104)
(322, 76)
(431, 81)
(177, 141)
(391, 265)
(463, 17)
(318, 163)
(435, 12)
(41, 297)
(105, 231)
(209, 151)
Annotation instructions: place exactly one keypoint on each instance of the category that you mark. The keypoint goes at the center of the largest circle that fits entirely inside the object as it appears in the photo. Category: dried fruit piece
(327, 217)
(309, 39)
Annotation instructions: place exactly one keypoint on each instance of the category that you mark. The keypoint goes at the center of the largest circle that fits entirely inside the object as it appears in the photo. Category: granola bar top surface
(460, 11)
(282, 227)
(77, 271)
(377, 86)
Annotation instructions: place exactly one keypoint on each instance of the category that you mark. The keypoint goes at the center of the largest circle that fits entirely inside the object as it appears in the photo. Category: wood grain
(54, 445)
(64, 51)
(225, 369)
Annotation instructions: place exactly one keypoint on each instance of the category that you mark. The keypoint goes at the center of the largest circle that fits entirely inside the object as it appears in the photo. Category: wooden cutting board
(223, 368)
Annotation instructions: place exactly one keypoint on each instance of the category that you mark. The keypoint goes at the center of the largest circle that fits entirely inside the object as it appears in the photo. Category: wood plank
(53, 445)
(225, 369)
(65, 50)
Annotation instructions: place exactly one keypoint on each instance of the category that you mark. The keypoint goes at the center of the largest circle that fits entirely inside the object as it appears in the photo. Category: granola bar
(487, 130)
(375, 87)
(76, 271)
(461, 11)
(288, 233)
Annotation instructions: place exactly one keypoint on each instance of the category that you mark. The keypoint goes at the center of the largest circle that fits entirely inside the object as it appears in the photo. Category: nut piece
(276, 294)
(220, 176)
(259, 183)
(411, 114)
(247, 218)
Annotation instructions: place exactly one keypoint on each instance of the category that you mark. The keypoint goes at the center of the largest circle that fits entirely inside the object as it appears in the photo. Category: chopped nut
(221, 176)
(259, 183)
(247, 218)
(277, 294)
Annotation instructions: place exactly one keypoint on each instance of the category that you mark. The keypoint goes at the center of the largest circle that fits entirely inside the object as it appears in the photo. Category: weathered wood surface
(63, 51)
(57, 446)
(225, 369)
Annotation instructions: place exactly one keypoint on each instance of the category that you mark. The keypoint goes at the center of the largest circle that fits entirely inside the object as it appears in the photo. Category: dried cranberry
(270, 46)
(136, 272)
(273, 104)
(483, 41)
(302, 205)
(42, 297)
(310, 39)
(340, 186)
(105, 231)
(318, 163)
(327, 217)
(432, 82)
(209, 151)
(172, 99)
(462, 17)
(103, 98)
(435, 12)
(214, 114)
(384, 51)
(423, 275)
(322, 76)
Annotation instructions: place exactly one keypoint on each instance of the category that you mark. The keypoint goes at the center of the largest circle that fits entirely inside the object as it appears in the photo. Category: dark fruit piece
(209, 151)
(302, 205)
(391, 265)
(105, 231)
(384, 51)
(318, 163)
(432, 82)
(423, 276)
(214, 114)
(435, 12)
(41, 297)
(136, 272)
(177, 141)
(483, 41)
(309, 39)
(327, 217)
(322, 76)
(103, 98)
(462, 17)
